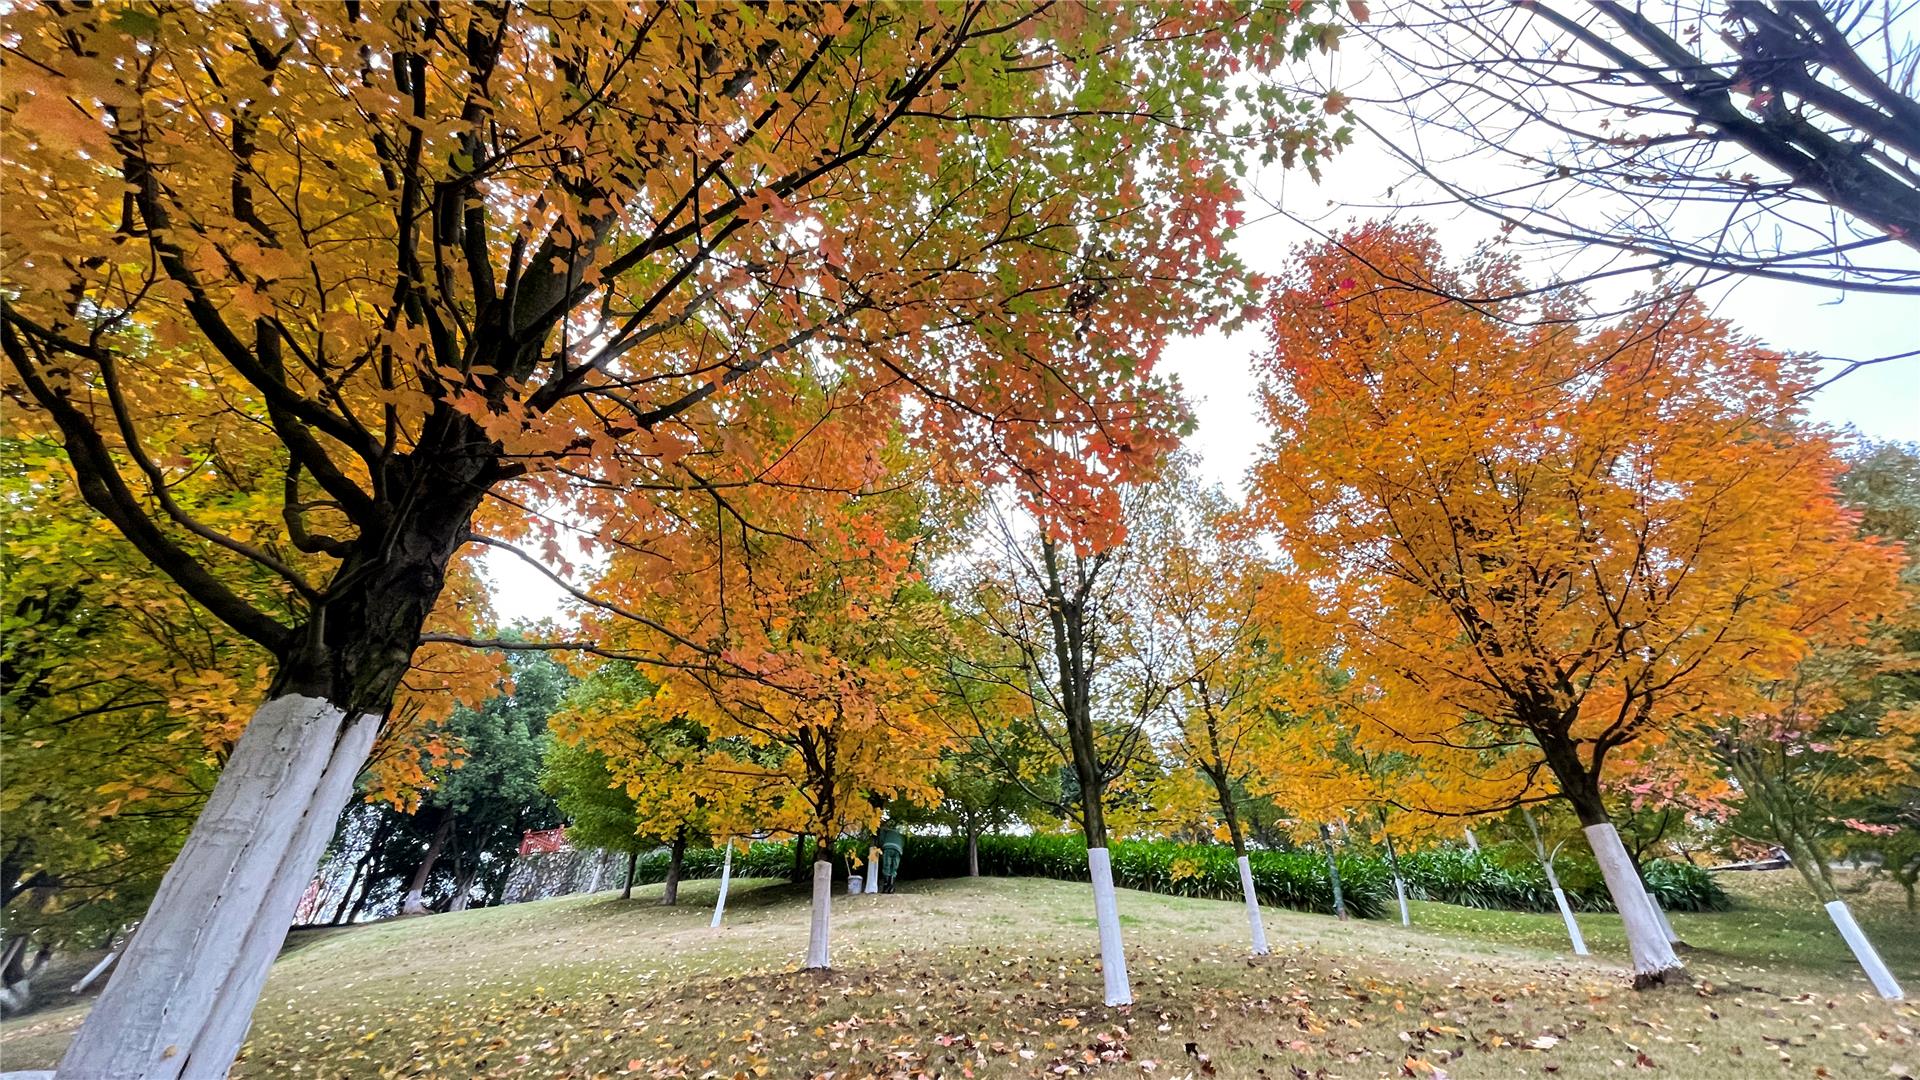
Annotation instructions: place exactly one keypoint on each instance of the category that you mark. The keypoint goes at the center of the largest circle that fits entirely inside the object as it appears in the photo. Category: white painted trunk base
(873, 871)
(179, 1004)
(94, 972)
(1863, 951)
(726, 878)
(1566, 916)
(822, 915)
(1106, 912)
(1653, 954)
(1473, 842)
(415, 903)
(1254, 924)
(1400, 893)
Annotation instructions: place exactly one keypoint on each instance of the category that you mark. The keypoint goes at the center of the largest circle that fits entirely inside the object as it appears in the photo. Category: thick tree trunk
(182, 997)
(1654, 961)
(1653, 957)
(416, 900)
(633, 869)
(873, 870)
(973, 853)
(676, 858)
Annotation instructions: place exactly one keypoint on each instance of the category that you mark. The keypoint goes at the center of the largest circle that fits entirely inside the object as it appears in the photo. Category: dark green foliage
(1506, 878)
(1292, 879)
(1283, 879)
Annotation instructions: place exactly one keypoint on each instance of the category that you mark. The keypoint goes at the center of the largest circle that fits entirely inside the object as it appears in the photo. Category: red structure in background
(544, 840)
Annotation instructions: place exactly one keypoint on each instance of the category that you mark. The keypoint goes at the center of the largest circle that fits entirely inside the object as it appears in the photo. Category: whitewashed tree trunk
(1254, 924)
(1545, 857)
(726, 878)
(1473, 842)
(822, 914)
(1400, 893)
(94, 973)
(1882, 979)
(183, 995)
(1566, 916)
(873, 871)
(1653, 955)
(19, 995)
(1106, 912)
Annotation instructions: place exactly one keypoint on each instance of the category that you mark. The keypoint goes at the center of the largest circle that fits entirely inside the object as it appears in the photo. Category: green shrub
(1496, 878)
(1506, 877)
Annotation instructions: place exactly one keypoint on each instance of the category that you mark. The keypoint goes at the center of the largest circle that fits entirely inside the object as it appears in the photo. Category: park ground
(994, 977)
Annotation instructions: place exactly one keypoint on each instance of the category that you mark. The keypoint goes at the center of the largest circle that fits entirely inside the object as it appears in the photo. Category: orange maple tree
(1540, 542)
(444, 262)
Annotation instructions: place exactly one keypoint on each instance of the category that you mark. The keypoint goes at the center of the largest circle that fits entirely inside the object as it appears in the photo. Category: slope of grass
(996, 977)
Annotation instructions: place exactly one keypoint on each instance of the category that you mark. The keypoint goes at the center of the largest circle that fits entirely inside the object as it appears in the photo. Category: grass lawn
(996, 977)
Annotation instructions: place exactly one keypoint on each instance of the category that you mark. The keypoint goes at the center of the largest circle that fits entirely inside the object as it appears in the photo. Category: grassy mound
(997, 977)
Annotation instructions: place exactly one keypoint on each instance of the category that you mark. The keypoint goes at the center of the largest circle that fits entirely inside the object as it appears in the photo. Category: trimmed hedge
(1294, 879)
(1506, 877)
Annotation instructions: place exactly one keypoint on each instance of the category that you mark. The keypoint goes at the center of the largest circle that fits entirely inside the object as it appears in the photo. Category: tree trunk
(1256, 926)
(820, 930)
(463, 879)
(1863, 951)
(633, 869)
(416, 900)
(1545, 858)
(973, 853)
(1333, 872)
(799, 858)
(363, 866)
(677, 855)
(17, 992)
(182, 996)
(1654, 961)
(726, 879)
(93, 973)
(1399, 883)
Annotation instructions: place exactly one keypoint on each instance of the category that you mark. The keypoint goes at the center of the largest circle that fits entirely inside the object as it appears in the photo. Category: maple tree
(1828, 764)
(417, 270)
(1073, 676)
(780, 624)
(1203, 589)
(1543, 542)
